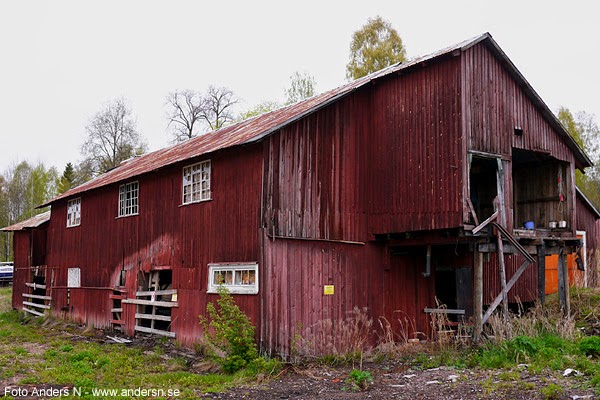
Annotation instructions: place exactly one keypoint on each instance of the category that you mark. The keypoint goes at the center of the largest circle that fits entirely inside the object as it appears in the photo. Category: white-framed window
(74, 212)
(74, 278)
(196, 182)
(240, 278)
(129, 199)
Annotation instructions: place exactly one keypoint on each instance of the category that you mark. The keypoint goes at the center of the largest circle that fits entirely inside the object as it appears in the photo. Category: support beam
(563, 283)
(541, 262)
(502, 270)
(509, 286)
(478, 295)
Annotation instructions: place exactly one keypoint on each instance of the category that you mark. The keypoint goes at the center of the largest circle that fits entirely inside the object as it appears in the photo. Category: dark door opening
(483, 185)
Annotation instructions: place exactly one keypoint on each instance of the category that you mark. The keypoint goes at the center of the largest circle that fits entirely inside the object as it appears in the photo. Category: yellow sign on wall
(328, 289)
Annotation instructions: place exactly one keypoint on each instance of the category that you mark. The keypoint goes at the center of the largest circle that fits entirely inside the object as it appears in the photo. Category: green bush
(230, 332)
(590, 346)
(359, 380)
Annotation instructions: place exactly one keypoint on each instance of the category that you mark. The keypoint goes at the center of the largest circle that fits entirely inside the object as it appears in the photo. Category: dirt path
(398, 383)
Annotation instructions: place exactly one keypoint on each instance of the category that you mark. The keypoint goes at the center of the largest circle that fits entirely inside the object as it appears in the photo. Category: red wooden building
(381, 194)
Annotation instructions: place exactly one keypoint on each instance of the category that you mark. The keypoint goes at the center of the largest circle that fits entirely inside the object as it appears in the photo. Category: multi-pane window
(74, 277)
(74, 212)
(128, 199)
(237, 278)
(196, 182)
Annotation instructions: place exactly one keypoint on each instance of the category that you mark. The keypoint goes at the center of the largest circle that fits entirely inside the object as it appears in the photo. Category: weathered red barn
(380, 194)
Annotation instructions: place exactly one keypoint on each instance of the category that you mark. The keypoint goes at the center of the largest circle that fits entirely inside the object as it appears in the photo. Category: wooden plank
(156, 292)
(116, 296)
(151, 303)
(509, 285)
(117, 322)
(35, 285)
(36, 313)
(563, 283)
(485, 223)
(541, 261)
(478, 295)
(514, 242)
(27, 303)
(154, 331)
(502, 272)
(443, 311)
(154, 317)
(116, 310)
(35, 296)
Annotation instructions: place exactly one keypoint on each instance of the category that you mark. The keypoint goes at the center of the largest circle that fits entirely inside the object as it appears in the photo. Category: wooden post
(502, 269)
(541, 262)
(478, 294)
(563, 282)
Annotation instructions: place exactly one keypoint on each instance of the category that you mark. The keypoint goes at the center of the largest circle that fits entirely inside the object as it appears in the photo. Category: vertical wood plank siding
(497, 105)
(587, 221)
(21, 245)
(415, 157)
(185, 238)
(524, 291)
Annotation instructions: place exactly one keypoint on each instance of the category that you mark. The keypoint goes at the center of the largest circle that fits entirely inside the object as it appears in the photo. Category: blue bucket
(529, 225)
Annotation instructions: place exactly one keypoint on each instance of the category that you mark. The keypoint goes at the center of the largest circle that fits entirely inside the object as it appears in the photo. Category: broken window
(237, 278)
(196, 182)
(74, 212)
(128, 199)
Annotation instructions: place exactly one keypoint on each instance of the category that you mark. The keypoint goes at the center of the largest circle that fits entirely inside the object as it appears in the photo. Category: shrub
(552, 392)
(590, 346)
(229, 333)
(359, 380)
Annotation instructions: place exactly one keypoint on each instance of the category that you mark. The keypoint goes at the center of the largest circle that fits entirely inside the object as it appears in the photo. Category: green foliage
(67, 179)
(590, 346)
(585, 131)
(375, 46)
(552, 392)
(359, 380)
(302, 87)
(259, 109)
(230, 332)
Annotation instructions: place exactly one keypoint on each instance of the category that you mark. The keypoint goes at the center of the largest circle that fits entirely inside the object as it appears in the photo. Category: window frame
(122, 206)
(233, 288)
(76, 220)
(191, 182)
(74, 277)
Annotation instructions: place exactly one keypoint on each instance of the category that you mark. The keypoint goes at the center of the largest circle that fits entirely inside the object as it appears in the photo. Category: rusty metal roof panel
(30, 223)
(250, 130)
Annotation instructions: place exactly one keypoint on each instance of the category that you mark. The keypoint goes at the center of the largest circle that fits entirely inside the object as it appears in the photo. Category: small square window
(196, 183)
(238, 278)
(128, 199)
(74, 278)
(74, 212)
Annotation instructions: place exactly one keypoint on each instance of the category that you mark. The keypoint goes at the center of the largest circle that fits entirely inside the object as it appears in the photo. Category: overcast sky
(62, 60)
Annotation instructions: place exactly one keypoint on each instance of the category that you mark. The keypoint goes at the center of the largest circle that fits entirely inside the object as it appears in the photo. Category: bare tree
(186, 108)
(218, 107)
(111, 137)
(192, 113)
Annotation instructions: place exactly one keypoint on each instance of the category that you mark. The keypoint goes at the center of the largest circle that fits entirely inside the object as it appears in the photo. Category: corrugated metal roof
(256, 128)
(30, 223)
(588, 203)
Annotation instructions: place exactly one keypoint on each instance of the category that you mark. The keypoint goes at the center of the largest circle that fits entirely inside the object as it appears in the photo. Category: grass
(542, 344)
(33, 354)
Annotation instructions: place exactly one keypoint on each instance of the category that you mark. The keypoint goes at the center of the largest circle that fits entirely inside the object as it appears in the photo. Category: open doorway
(483, 185)
(542, 190)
